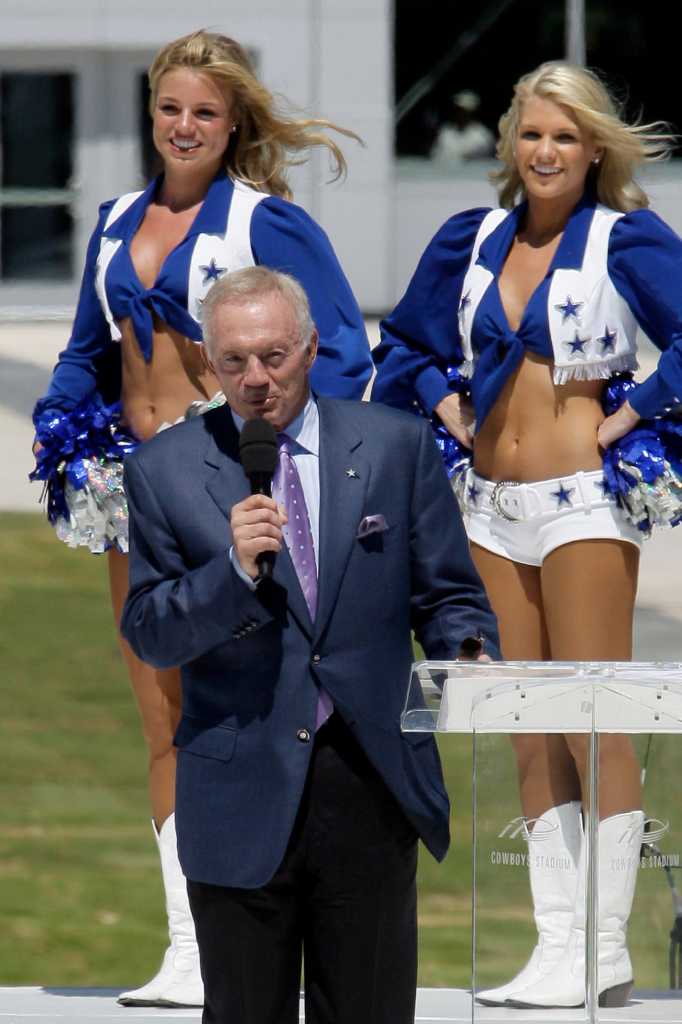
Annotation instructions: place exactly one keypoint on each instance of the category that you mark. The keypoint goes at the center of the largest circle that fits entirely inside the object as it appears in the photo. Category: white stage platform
(434, 1006)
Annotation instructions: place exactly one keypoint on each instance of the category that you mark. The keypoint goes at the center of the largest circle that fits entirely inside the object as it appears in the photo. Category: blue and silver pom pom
(80, 463)
(456, 458)
(643, 470)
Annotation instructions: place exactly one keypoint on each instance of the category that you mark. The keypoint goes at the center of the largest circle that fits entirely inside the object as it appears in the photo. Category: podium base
(434, 1006)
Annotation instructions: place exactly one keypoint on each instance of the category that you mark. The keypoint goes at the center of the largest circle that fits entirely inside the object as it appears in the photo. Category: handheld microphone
(258, 455)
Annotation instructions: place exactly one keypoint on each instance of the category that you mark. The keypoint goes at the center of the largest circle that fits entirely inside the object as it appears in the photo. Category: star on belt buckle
(495, 500)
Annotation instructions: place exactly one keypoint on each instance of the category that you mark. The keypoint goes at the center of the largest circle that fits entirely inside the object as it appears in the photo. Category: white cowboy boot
(178, 981)
(620, 841)
(552, 866)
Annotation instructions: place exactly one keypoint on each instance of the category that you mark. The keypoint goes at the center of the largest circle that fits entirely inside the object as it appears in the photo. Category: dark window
(36, 242)
(36, 116)
(36, 160)
(149, 158)
(444, 49)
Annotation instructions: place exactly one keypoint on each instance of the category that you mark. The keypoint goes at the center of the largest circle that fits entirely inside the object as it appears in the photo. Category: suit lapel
(226, 484)
(344, 478)
(225, 480)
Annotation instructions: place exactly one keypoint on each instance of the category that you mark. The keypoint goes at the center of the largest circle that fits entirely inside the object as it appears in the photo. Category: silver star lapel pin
(352, 474)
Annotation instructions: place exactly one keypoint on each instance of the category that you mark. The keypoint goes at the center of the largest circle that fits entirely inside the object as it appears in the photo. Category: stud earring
(596, 160)
(234, 128)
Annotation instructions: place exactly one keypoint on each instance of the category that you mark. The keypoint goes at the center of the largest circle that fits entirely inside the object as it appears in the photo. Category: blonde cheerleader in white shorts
(517, 334)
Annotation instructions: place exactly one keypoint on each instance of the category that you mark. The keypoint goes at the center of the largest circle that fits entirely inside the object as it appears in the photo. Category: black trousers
(343, 900)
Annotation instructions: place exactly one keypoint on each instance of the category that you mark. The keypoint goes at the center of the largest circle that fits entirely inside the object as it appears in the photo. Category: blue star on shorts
(473, 493)
(563, 495)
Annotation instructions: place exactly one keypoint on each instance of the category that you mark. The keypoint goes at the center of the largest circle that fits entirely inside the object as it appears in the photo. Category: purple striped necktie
(287, 490)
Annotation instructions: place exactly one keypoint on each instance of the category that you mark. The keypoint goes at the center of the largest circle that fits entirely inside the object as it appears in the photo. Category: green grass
(79, 887)
(80, 890)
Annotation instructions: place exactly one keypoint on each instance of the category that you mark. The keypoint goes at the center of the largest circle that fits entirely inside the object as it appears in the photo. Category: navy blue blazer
(252, 661)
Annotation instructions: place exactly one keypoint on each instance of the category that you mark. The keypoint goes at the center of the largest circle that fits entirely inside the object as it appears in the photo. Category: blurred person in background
(134, 364)
(518, 335)
(462, 136)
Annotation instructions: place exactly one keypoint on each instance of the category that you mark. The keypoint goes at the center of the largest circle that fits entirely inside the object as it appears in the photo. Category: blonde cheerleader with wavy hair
(517, 334)
(134, 363)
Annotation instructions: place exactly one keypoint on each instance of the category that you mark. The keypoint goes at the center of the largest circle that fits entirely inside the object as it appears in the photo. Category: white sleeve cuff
(238, 569)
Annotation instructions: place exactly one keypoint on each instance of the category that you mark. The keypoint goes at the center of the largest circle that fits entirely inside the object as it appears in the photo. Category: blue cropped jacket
(611, 273)
(235, 227)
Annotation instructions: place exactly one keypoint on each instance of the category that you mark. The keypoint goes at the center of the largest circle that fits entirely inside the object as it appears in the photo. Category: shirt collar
(211, 218)
(304, 430)
(570, 251)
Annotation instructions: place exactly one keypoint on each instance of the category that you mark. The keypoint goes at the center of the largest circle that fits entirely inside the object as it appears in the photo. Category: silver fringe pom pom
(652, 504)
(98, 511)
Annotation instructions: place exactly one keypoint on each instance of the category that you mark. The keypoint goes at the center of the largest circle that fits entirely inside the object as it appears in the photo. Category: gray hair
(254, 283)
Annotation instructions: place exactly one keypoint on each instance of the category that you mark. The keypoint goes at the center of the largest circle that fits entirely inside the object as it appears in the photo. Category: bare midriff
(161, 390)
(538, 430)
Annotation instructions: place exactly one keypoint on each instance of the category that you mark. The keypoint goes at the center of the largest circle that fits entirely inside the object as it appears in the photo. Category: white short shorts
(525, 522)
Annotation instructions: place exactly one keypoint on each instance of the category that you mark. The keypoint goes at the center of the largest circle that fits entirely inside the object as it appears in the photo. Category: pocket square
(371, 524)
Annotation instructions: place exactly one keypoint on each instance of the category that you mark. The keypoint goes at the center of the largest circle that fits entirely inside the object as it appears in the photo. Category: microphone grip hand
(257, 533)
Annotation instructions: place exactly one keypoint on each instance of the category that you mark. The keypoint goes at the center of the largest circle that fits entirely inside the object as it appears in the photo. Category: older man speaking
(299, 802)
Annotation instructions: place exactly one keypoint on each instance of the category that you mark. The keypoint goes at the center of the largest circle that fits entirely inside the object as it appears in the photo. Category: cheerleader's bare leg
(589, 590)
(547, 774)
(158, 698)
(557, 612)
(178, 981)
(548, 783)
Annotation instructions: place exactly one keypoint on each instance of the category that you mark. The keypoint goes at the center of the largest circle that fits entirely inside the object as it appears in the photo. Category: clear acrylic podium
(636, 703)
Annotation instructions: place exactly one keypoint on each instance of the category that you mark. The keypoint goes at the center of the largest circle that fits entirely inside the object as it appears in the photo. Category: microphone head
(258, 451)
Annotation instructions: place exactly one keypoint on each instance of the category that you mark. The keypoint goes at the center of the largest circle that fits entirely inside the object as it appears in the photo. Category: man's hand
(621, 422)
(256, 527)
(457, 416)
(472, 649)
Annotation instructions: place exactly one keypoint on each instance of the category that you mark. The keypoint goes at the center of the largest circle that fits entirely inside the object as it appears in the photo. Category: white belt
(516, 502)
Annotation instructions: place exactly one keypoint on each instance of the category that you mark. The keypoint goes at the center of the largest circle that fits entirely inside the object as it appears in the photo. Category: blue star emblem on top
(577, 344)
(212, 271)
(569, 309)
(563, 495)
(607, 340)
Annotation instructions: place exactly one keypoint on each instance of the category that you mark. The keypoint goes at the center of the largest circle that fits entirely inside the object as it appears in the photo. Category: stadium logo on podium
(654, 830)
(533, 830)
